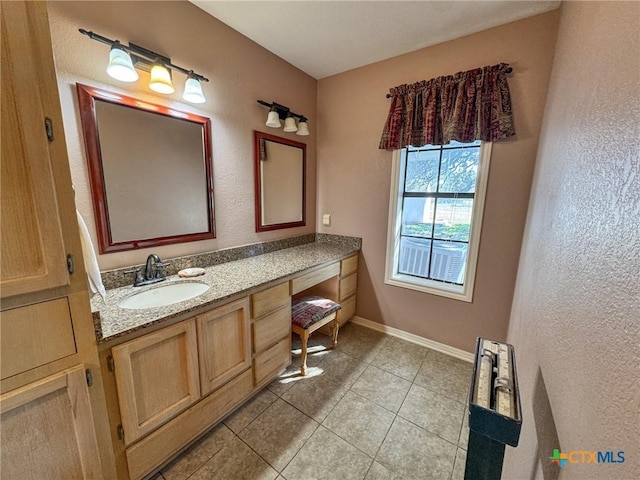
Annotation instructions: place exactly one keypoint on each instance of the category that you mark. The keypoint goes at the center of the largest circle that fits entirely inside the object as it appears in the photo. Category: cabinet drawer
(272, 360)
(148, 454)
(348, 286)
(270, 329)
(348, 309)
(349, 265)
(314, 277)
(35, 335)
(269, 300)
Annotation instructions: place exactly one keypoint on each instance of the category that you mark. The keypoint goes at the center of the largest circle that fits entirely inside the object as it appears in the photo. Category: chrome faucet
(152, 271)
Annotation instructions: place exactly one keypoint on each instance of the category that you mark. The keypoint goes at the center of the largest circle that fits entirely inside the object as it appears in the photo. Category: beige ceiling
(323, 38)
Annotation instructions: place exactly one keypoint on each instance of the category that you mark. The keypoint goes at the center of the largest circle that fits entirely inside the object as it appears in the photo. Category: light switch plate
(326, 219)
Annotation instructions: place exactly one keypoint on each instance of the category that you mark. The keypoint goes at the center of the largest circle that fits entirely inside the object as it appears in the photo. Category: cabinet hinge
(48, 127)
(89, 376)
(70, 266)
(111, 366)
(120, 431)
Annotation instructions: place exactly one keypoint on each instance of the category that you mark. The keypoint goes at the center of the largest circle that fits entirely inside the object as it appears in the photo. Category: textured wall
(240, 72)
(354, 177)
(576, 312)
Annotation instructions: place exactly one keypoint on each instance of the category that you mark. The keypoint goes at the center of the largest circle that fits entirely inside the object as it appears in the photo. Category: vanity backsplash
(119, 278)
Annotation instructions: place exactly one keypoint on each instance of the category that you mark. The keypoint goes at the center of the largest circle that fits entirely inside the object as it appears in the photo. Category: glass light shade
(273, 120)
(193, 91)
(120, 65)
(290, 124)
(303, 128)
(161, 80)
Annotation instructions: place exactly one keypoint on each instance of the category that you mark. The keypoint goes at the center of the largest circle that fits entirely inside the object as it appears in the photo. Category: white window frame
(434, 287)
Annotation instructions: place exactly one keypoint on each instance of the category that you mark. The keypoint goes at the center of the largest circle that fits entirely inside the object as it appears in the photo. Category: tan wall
(575, 321)
(240, 73)
(354, 176)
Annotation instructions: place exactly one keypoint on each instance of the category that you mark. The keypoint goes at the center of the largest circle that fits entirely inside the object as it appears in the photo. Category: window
(435, 214)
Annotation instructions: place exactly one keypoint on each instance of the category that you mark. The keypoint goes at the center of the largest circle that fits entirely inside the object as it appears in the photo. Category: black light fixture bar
(143, 56)
(283, 111)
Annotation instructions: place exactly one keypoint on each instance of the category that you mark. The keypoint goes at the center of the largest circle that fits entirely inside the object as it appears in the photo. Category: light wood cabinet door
(224, 341)
(61, 440)
(156, 377)
(32, 252)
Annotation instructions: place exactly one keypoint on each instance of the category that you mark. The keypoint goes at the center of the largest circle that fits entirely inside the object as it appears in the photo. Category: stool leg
(304, 337)
(334, 332)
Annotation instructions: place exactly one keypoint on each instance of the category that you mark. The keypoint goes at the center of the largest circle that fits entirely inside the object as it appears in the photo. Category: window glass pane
(414, 256)
(453, 143)
(459, 170)
(453, 218)
(417, 216)
(448, 262)
(422, 170)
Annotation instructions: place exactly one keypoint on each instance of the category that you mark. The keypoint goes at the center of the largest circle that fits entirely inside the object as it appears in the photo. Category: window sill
(434, 288)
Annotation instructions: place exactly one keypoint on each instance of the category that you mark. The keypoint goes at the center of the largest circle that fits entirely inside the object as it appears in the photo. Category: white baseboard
(418, 340)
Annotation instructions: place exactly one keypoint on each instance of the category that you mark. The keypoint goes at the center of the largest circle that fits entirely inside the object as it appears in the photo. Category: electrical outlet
(326, 219)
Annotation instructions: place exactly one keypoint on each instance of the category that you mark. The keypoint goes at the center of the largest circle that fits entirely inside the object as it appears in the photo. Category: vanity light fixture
(279, 112)
(125, 59)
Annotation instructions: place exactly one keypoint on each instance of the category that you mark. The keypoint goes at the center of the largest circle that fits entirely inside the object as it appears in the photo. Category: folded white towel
(90, 260)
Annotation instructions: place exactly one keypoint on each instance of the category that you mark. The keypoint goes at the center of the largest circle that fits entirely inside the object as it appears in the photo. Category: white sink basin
(164, 295)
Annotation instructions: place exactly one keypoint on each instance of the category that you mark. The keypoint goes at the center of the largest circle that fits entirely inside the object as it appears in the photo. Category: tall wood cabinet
(54, 422)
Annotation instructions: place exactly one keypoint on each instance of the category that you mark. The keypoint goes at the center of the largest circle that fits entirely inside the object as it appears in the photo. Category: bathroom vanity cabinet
(175, 383)
(54, 422)
(167, 387)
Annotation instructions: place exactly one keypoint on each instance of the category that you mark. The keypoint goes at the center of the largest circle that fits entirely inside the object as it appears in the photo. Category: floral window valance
(467, 106)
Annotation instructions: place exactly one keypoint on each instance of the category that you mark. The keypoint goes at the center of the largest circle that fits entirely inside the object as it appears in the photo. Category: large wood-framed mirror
(150, 169)
(280, 173)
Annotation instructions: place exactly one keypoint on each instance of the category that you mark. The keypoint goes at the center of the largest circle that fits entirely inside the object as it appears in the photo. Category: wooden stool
(308, 314)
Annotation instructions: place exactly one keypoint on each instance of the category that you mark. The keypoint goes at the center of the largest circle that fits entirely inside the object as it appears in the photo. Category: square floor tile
(278, 433)
(378, 471)
(235, 461)
(464, 431)
(341, 368)
(401, 358)
(361, 342)
(460, 464)
(382, 387)
(248, 412)
(360, 422)
(446, 375)
(416, 453)
(291, 375)
(325, 456)
(198, 454)
(433, 412)
(315, 396)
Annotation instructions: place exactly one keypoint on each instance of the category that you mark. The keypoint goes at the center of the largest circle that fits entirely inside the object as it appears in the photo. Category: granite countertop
(226, 280)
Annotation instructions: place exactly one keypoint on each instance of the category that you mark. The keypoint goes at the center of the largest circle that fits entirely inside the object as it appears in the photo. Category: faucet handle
(159, 265)
(138, 278)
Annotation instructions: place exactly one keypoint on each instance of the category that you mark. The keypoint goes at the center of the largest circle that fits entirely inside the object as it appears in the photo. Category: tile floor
(376, 408)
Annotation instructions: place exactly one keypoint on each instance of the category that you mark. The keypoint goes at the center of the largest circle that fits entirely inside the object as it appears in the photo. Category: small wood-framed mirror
(150, 169)
(280, 174)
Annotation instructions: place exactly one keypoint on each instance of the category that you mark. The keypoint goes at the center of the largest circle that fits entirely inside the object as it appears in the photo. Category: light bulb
(290, 124)
(161, 79)
(273, 119)
(120, 65)
(303, 128)
(193, 90)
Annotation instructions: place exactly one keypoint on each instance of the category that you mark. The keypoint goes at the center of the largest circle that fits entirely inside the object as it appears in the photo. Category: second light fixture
(278, 112)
